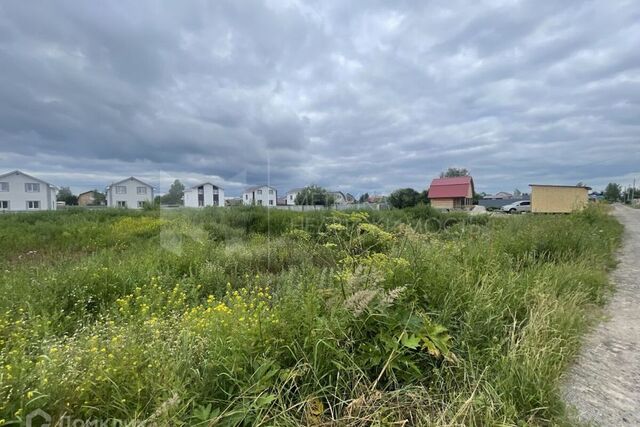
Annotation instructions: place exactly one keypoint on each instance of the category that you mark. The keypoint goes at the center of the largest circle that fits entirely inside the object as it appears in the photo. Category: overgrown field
(255, 317)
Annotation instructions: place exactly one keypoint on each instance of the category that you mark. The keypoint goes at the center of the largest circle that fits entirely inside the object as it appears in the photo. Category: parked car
(516, 207)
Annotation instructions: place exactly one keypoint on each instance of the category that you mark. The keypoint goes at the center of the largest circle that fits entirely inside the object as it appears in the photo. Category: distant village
(453, 190)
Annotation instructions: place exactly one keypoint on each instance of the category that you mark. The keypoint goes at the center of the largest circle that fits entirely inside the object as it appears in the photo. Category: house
(291, 195)
(451, 193)
(129, 193)
(205, 194)
(558, 198)
(22, 192)
(260, 195)
(88, 198)
(350, 198)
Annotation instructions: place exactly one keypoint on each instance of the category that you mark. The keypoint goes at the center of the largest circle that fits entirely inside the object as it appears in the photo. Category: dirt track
(604, 384)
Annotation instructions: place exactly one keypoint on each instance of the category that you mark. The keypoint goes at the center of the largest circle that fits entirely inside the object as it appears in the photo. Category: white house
(202, 195)
(129, 193)
(291, 196)
(22, 192)
(261, 195)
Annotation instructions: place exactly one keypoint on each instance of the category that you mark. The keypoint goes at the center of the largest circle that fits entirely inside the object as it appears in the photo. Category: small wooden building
(451, 193)
(558, 198)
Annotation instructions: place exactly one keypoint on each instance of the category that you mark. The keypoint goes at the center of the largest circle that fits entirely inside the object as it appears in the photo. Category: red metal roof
(444, 188)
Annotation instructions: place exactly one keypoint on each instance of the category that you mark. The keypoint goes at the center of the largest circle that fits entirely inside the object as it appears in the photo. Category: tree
(404, 198)
(612, 192)
(363, 198)
(174, 195)
(314, 195)
(451, 172)
(99, 198)
(631, 194)
(65, 195)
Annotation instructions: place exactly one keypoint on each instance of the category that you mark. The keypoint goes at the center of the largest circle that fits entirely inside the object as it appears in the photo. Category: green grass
(254, 317)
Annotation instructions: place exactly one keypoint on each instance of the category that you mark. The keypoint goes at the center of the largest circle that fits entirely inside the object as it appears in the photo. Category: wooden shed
(451, 193)
(558, 198)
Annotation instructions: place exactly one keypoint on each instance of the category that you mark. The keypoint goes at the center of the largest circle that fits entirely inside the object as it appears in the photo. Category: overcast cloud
(352, 95)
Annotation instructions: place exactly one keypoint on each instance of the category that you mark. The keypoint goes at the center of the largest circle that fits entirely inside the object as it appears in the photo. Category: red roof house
(451, 193)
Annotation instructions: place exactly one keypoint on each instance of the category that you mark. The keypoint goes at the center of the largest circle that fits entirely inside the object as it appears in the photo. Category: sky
(350, 95)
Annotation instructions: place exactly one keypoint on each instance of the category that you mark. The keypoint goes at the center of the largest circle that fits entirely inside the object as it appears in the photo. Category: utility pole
(633, 190)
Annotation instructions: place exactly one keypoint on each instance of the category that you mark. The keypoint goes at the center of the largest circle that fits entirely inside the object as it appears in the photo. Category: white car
(516, 207)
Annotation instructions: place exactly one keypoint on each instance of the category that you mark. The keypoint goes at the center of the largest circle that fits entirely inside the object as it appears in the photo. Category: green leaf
(410, 341)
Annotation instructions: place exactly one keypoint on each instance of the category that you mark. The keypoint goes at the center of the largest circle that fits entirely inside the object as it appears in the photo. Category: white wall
(291, 198)
(260, 196)
(18, 197)
(131, 197)
(191, 196)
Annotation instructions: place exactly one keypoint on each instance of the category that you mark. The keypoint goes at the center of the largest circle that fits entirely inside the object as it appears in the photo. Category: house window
(121, 204)
(259, 191)
(4, 204)
(140, 204)
(33, 204)
(259, 202)
(271, 202)
(121, 189)
(4, 186)
(32, 187)
(142, 190)
(246, 197)
(270, 191)
(291, 197)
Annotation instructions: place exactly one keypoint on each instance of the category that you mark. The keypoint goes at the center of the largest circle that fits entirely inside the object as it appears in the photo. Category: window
(121, 204)
(271, 202)
(4, 186)
(121, 189)
(246, 197)
(526, 203)
(259, 191)
(270, 191)
(260, 202)
(33, 204)
(291, 197)
(4, 204)
(140, 204)
(142, 190)
(32, 187)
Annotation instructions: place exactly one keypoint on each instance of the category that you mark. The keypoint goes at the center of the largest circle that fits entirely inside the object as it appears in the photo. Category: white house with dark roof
(202, 195)
(129, 193)
(291, 195)
(260, 195)
(22, 192)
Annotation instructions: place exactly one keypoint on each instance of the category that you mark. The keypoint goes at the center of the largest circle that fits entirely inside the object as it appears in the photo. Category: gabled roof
(28, 176)
(127, 179)
(205, 183)
(444, 188)
(257, 187)
(87, 192)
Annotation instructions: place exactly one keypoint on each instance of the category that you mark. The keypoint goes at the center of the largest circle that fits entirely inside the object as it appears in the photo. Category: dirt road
(604, 384)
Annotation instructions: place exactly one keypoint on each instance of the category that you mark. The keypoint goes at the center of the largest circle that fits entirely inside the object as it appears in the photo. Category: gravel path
(604, 384)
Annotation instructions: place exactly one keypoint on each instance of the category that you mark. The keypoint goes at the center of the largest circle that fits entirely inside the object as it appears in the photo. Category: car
(517, 207)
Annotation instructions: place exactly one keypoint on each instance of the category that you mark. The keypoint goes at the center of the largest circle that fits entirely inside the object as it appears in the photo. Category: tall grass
(248, 317)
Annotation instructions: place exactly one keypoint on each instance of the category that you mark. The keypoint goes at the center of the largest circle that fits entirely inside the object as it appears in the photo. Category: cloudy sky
(352, 95)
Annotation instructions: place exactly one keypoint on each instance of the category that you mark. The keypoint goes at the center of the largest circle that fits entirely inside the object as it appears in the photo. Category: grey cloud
(361, 96)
